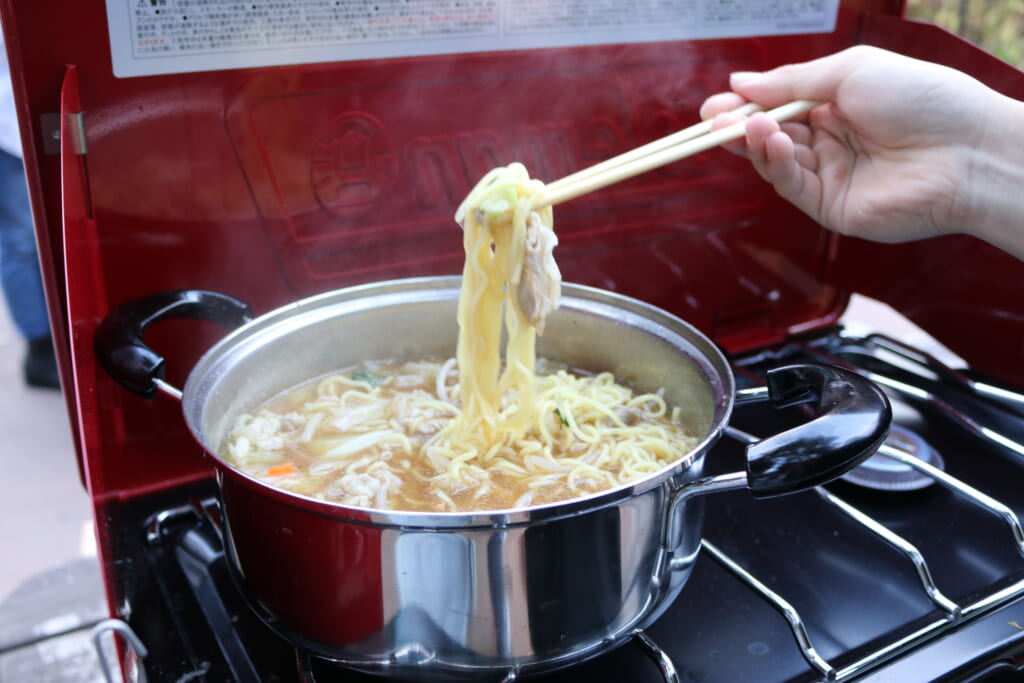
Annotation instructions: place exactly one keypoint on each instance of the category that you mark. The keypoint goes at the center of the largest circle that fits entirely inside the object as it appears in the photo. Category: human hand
(890, 154)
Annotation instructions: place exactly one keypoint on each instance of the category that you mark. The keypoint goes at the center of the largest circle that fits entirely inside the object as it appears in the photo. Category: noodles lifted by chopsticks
(510, 271)
(556, 432)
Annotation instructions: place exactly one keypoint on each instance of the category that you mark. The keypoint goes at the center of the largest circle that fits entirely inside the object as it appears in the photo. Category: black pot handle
(119, 346)
(851, 420)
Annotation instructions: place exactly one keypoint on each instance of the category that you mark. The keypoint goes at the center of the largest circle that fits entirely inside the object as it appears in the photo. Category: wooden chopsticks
(666, 150)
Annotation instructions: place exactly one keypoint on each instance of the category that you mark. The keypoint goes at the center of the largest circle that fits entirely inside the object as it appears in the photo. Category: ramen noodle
(489, 429)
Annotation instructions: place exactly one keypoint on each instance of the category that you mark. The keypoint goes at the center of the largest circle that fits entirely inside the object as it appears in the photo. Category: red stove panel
(365, 189)
(338, 174)
(367, 186)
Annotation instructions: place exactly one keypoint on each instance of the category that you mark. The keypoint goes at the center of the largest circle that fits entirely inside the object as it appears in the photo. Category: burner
(882, 473)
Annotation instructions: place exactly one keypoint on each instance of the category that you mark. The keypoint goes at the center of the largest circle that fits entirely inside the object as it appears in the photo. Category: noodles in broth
(485, 430)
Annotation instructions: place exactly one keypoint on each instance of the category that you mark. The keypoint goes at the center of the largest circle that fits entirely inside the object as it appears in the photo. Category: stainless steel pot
(430, 594)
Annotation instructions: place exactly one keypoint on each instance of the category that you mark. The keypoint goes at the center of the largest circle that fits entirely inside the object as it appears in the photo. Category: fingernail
(741, 77)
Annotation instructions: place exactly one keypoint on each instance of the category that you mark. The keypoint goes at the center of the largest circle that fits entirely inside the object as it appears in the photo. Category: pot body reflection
(423, 602)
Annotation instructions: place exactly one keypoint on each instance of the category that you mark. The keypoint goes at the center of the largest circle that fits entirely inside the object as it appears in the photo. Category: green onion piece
(370, 377)
(499, 203)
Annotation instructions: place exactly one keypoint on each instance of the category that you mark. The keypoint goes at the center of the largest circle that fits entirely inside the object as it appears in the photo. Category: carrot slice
(282, 469)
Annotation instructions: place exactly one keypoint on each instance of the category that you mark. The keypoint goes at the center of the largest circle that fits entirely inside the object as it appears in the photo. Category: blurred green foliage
(996, 26)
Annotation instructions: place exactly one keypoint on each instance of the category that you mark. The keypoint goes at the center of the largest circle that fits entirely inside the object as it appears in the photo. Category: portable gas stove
(259, 150)
(909, 569)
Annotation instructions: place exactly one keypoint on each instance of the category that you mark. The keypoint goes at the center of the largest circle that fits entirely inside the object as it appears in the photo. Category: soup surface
(380, 436)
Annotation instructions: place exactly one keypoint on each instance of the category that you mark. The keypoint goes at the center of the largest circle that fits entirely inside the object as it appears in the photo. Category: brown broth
(419, 477)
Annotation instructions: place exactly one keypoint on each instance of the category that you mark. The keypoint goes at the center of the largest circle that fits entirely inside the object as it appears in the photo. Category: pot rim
(705, 355)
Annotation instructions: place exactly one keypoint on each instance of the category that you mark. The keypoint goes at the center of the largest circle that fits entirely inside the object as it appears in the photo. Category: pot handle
(851, 420)
(119, 346)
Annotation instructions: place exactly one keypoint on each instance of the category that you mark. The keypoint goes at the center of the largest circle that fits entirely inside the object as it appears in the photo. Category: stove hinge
(50, 124)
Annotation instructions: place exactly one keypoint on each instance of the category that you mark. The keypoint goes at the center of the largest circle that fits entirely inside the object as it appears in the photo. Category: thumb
(817, 79)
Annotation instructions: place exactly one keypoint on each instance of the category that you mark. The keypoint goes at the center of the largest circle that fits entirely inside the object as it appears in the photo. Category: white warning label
(149, 37)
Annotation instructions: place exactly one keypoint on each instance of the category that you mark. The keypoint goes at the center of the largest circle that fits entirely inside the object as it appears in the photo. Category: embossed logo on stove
(354, 162)
(359, 159)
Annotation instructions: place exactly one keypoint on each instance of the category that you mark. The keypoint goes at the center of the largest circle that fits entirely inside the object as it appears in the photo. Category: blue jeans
(19, 260)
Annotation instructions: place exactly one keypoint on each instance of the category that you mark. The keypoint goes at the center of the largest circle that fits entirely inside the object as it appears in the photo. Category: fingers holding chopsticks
(782, 152)
(784, 158)
(722, 111)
